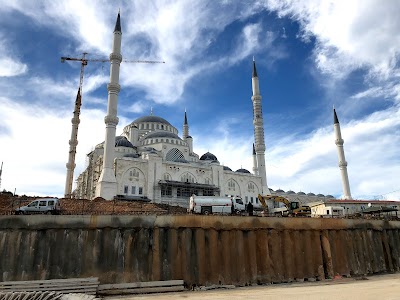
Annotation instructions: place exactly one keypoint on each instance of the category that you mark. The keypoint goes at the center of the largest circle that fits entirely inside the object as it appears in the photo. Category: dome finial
(151, 111)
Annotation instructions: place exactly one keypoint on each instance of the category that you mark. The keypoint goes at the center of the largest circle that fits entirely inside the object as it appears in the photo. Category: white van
(40, 206)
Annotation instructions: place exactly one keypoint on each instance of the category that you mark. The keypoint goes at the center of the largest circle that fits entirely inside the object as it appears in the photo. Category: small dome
(160, 134)
(149, 149)
(121, 141)
(320, 195)
(189, 137)
(227, 168)
(329, 196)
(310, 194)
(243, 171)
(134, 155)
(181, 160)
(290, 192)
(153, 119)
(301, 193)
(209, 156)
(280, 191)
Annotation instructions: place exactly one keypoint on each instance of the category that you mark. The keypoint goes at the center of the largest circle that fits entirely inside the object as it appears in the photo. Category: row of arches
(187, 177)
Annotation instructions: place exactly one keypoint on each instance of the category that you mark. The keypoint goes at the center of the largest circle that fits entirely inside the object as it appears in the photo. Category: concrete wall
(199, 249)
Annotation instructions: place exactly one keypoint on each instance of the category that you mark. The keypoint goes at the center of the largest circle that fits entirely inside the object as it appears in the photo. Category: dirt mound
(98, 206)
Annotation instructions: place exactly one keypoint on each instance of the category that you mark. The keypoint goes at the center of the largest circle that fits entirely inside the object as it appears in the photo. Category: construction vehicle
(291, 208)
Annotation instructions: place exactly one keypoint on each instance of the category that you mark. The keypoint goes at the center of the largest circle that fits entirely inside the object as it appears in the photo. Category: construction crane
(84, 61)
(73, 142)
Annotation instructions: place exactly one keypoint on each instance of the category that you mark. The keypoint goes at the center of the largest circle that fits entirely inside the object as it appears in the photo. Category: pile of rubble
(98, 206)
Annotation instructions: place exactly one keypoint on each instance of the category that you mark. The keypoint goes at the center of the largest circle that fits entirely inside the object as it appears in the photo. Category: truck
(207, 205)
(291, 208)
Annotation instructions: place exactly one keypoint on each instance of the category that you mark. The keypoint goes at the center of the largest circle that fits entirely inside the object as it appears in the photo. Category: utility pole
(73, 142)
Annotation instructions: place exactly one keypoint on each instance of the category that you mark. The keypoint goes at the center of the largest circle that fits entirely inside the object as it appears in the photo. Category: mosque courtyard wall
(201, 250)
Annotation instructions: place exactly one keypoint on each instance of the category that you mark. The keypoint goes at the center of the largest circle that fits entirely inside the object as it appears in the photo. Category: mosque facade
(150, 161)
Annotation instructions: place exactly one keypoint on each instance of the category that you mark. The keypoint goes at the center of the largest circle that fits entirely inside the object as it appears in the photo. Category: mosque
(150, 161)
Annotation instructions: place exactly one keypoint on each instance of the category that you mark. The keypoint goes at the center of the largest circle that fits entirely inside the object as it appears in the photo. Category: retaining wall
(201, 250)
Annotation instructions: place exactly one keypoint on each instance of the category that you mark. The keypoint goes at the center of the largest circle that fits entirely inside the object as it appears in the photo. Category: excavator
(292, 208)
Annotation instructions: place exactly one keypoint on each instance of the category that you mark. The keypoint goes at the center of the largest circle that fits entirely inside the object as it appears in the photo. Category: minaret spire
(185, 132)
(254, 69)
(73, 142)
(107, 185)
(259, 131)
(342, 160)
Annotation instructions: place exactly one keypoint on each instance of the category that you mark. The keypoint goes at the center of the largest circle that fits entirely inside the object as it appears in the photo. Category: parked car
(40, 206)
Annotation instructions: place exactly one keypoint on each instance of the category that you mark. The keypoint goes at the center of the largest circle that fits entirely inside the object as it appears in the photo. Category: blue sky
(310, 56)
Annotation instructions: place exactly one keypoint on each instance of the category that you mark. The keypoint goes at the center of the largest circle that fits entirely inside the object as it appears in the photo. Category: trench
(201, 250)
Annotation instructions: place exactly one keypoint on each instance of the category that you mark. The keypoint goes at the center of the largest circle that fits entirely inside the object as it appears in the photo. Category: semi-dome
(310, 194)
(320, 195)
(121, 141)
(208, 156)
(162, 134)
(227, 168)
(153, 119)
(280, 191)
(134, 155)
(329, 196)
(301, 193)
(243, 171)
(290, 192)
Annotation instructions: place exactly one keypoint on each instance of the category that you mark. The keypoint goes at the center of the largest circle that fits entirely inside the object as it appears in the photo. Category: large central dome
(153, 119)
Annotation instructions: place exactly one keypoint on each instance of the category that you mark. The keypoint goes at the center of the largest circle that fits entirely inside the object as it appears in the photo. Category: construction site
(150, 215)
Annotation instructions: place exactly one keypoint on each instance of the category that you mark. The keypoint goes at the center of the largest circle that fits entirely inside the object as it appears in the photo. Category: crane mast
(73, 142)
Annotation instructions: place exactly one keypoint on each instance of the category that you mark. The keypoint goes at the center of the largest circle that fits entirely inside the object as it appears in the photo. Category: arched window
(134, 173)
(231, 185)
(250, 187)
(187, 178)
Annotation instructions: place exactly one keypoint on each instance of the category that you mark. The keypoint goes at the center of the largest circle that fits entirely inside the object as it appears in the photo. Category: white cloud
(10, 67)
(349, 34)
(35, 146)
(310, 163)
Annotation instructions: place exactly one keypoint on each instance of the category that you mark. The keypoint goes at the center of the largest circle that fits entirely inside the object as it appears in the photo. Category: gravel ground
(374, 287)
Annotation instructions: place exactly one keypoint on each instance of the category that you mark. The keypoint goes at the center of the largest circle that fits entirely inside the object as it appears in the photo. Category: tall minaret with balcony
(342, 160)
(259, 131)
(107, 185)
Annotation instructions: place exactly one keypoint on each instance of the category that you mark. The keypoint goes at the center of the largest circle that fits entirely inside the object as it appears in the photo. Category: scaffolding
(178, 192)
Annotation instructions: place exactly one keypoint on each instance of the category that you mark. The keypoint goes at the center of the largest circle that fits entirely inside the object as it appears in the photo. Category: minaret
(73, 142)
(107, 185)
(259, 131)
(255, 169)
(185, 132)
(342, 161)
(186, 137)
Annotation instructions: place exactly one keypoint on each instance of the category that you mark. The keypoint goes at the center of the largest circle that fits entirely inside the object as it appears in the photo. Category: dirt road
(374, 287)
